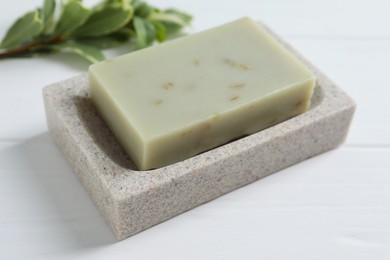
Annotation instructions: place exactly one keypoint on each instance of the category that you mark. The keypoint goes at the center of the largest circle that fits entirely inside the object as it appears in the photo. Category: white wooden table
(334, 206)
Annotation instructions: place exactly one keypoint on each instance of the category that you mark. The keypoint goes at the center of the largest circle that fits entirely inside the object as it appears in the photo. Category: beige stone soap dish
(133, 200)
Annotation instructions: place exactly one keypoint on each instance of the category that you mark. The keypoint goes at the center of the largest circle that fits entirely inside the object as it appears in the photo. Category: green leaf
(108, 41)
(23, 30)
(31, 55)
(105, 21)
(135, 3)
(48, 14)
(168, 17)
(90, 53)
(185, 17)
(103, 4)
(143, 10)
(36, 52)
(161, 31)
(73, 15)
(145, 32)
(172, 26)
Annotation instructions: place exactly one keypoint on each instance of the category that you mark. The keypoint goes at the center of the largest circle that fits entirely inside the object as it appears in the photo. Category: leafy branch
(86, 31)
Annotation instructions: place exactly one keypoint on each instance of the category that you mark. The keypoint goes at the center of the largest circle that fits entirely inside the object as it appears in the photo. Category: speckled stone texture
(133, 200)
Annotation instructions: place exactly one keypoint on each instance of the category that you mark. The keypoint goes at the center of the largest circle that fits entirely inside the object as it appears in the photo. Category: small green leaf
(135, 3)
(73, 15)
(143, 10)
(161, 31)
(108, 41)
(90, 53)
(116, 2)
(48, 14)
(36, 52)
(103, 4)
(172, 26)
(105, 21)
(167, 17)
(145, 32)
(185, 17)
(23, 30)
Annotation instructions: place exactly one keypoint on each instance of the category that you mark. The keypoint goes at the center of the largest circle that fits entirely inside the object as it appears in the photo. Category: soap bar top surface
(177, 85)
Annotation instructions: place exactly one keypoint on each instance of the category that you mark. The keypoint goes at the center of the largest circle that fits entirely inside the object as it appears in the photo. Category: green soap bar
(172, 101)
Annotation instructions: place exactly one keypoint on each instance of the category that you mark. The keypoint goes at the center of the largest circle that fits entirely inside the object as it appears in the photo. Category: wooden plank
(361, 68)
(331, 206)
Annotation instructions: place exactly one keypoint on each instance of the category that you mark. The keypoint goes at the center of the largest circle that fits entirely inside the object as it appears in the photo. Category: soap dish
(133, 200)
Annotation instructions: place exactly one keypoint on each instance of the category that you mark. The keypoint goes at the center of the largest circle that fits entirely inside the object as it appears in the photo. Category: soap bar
(169, 102)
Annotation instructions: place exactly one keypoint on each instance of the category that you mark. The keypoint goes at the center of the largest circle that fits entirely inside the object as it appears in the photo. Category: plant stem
(29, 48)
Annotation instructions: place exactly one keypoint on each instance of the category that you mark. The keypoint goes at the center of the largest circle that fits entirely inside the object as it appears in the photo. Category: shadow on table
(65, 199)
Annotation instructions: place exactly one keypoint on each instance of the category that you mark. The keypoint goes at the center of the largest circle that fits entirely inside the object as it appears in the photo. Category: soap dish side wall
(60, 106)
(133, 200)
